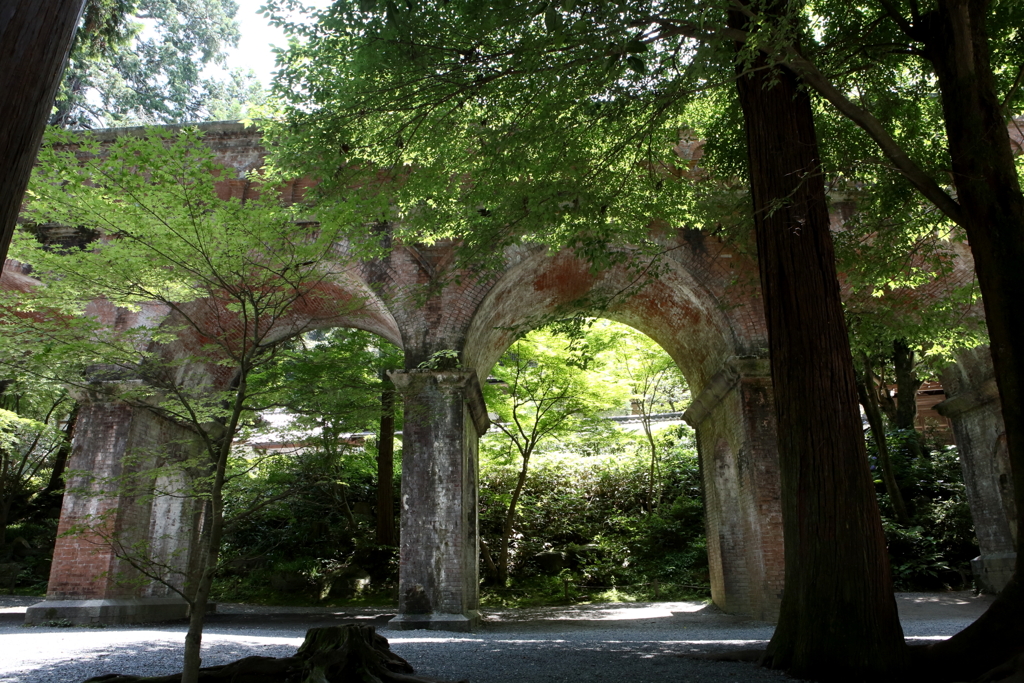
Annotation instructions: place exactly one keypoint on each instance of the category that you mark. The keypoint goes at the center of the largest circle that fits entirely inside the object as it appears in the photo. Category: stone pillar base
(109, 611)
(436, 622)
(993, 571)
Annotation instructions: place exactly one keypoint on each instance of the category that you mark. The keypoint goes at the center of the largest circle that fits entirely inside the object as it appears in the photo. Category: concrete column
(118, 506)
(439, 577)
(735, 421)
(974, 409)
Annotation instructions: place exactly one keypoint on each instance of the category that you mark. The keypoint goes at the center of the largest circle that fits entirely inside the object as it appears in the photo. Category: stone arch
(716, 347)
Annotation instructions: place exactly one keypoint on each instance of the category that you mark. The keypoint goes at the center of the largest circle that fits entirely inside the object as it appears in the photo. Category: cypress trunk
(36, 39)
(904, 359)
(838, 617)
(988, 190)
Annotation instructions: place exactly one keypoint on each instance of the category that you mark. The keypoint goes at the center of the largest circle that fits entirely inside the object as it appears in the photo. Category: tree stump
(336, 654)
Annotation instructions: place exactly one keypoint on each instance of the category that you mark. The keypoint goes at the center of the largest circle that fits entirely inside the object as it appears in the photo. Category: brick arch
(678, 312)
(345, 301)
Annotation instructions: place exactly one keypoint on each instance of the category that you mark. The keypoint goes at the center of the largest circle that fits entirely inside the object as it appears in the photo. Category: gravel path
(637, 642)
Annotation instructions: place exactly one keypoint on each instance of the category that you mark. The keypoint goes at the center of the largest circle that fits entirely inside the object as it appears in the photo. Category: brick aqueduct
(703, 308)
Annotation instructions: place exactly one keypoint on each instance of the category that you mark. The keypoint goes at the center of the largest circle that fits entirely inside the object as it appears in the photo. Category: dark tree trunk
(838, 618)
(386, 468)
(5, 512)
(904, 359)
(989, 193)
(35, 38)
(867, 399)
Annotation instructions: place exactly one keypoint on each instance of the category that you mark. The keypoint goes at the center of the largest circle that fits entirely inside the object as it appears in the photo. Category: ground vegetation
(541, 396)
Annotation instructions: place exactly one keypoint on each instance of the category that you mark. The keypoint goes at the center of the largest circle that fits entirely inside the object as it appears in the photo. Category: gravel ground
(637, 642)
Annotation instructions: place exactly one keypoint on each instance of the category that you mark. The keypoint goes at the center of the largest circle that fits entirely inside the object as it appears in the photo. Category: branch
(896, 16)
(1015, 87)
(924, 183)
(806, 70)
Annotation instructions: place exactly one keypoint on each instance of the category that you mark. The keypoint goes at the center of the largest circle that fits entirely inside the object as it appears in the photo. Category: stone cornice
(734, 370)
(450, 382)
(984, 393)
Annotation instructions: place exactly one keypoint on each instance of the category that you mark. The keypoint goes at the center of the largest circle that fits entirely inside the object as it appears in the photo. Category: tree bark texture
(386, 468)
(989, 192)
(838, 619)
(335, 654)
(35, 39)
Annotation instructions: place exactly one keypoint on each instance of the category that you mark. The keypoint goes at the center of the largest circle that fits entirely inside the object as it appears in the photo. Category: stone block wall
(439, 575)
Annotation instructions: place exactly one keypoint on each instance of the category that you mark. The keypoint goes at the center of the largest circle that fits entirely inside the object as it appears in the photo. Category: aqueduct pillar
(973, 407)
(439, 581)
(735, 421)
(119, 525)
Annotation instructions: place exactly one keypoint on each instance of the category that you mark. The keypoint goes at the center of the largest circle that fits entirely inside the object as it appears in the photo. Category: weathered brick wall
(701, 302)
(689, 321)
(735, 422)
(116, 501)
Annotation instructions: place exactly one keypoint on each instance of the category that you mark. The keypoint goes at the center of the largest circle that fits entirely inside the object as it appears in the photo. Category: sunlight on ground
(606, 612)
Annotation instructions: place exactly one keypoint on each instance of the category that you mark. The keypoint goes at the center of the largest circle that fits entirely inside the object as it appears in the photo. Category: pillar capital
(732, 372)
(411, 383)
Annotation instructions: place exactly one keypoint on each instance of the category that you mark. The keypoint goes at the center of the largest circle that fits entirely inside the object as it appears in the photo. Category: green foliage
(592, 509)
(311, 545)
(565, 119)
(33, 441)
(542, 397)
(935, 551)
(328, 382)
(141, 62)
(220, 287)
(445, 359)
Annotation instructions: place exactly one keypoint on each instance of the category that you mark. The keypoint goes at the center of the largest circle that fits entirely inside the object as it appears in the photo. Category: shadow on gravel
(151, 660)
(543, 661)
(301, 620)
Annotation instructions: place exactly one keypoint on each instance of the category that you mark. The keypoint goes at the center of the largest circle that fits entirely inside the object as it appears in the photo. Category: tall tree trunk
(838, 618)
(386, 468)
(904, 359)
(990, 195)
(212, 534)
(6, 493)
(35, 39)
(5, 513)
(865, 391)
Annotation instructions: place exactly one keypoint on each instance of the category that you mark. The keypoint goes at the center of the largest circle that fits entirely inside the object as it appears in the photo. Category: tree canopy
(146, 62)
